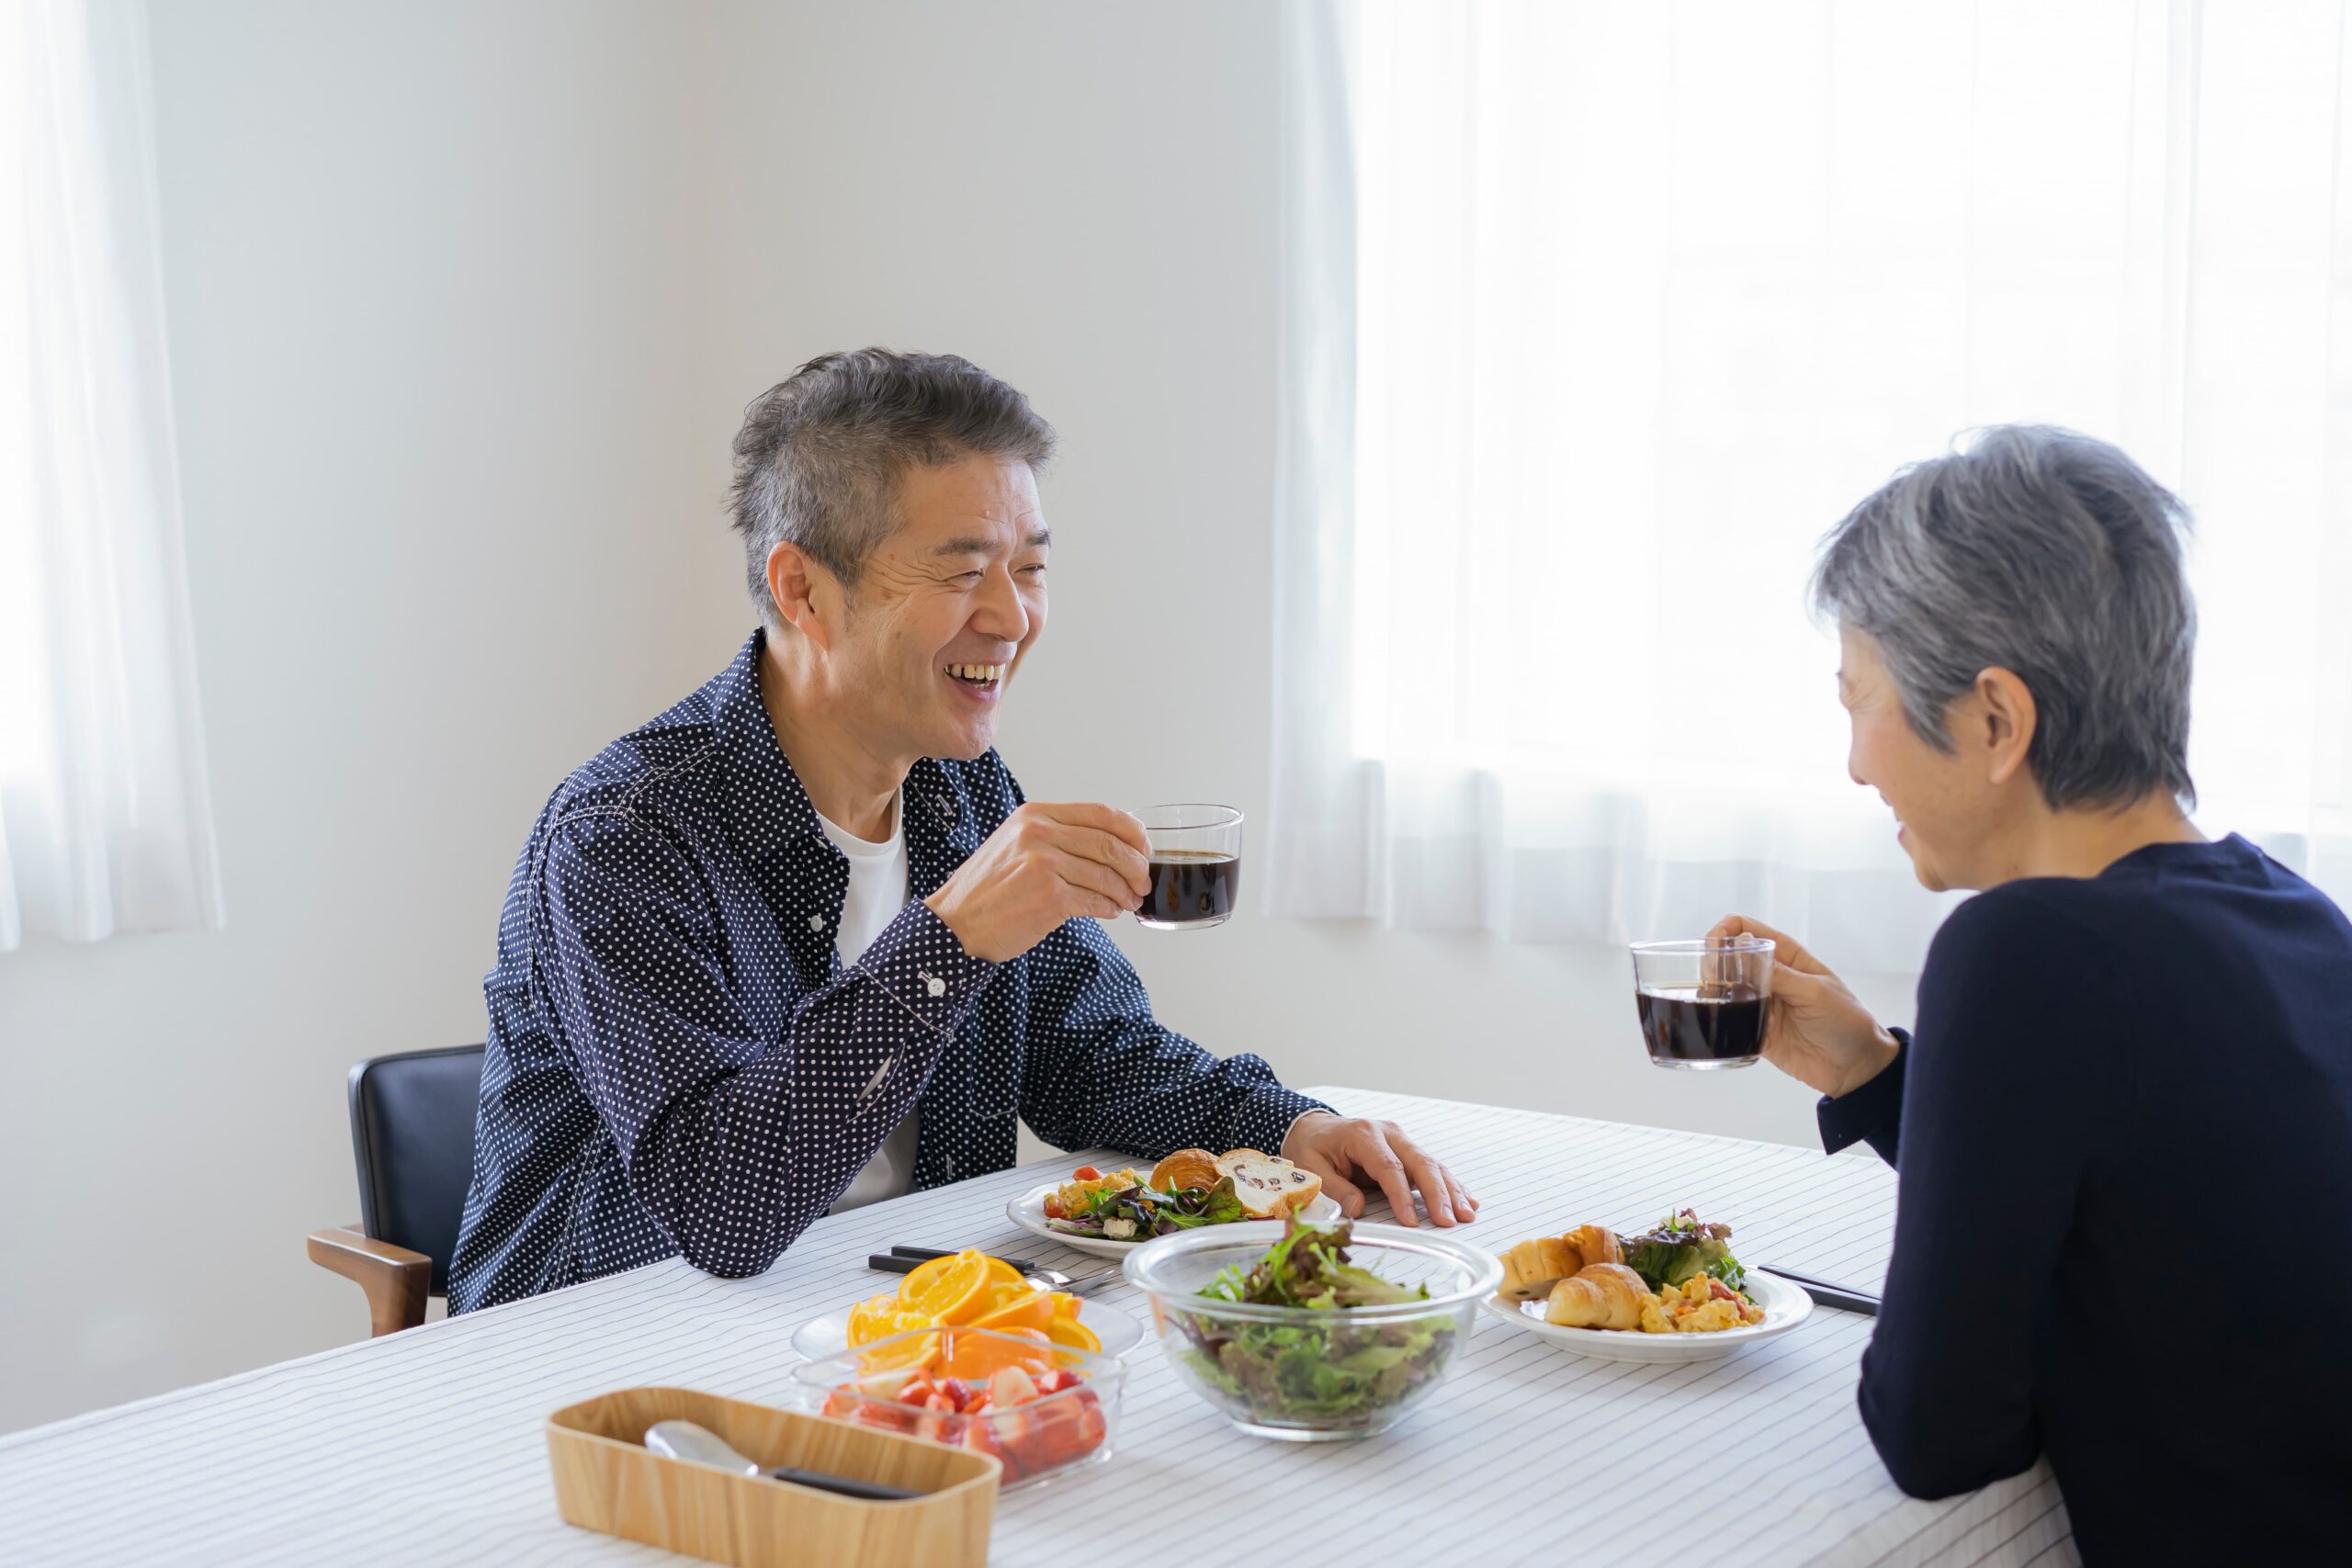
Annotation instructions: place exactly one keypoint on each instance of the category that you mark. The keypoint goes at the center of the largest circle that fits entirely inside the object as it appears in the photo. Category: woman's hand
(1818, 1033)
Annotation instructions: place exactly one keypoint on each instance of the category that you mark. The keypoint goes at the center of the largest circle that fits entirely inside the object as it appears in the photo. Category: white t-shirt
(877, 891)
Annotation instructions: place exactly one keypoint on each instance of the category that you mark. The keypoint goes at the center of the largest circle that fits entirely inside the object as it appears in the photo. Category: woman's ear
(2007, 715)
(796, 585)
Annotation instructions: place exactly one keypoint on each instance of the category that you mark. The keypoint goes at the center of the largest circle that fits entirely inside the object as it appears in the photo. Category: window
(1624, 307)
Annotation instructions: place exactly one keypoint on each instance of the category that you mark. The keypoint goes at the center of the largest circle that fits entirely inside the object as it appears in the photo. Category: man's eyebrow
(973, 545)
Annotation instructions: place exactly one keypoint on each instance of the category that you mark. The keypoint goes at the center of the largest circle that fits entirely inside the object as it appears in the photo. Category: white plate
(1028, 1212)
(822, 1339)
(1785, 1307)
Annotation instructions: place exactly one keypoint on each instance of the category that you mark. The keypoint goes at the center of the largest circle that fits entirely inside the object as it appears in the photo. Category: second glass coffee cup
(1195, 865)
(1703, 1005)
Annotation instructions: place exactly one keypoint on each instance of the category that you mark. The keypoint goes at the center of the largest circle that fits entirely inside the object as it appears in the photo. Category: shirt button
(816, 922)
(937, 987)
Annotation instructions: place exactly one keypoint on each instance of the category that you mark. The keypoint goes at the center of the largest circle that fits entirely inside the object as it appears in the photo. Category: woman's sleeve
(2001, 1101)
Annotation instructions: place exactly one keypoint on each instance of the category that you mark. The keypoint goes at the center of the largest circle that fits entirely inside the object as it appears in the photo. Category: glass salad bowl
(1349, 1369)
(1041, 1413)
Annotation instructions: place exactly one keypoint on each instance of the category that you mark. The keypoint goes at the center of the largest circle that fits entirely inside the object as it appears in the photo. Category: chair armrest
(395, 1280)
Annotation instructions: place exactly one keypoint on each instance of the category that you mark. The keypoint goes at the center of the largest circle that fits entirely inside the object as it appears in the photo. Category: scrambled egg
(1694, 1308)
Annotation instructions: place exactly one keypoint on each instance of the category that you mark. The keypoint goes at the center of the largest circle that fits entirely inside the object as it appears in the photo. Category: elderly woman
(2123, 1121)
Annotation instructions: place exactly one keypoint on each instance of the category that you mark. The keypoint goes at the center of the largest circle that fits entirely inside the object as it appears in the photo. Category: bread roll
(1595, 1244)
(1532, 1268)
(1267, 1187)
(1184, 1169)
(1600, 1295)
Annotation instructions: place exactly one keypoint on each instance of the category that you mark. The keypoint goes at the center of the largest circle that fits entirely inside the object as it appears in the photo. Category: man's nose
(998, 612)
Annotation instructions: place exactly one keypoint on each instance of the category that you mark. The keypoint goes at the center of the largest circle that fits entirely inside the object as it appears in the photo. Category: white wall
(466, 301)
(428, 315)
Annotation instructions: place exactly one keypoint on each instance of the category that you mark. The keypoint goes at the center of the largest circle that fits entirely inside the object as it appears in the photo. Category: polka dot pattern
(678, 1062)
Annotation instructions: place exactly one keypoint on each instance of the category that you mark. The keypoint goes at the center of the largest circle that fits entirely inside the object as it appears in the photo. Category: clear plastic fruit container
(1039, 1423)
(1308, 1374)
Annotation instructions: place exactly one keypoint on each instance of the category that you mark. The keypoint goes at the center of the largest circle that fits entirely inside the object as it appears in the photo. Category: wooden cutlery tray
(606, 1479)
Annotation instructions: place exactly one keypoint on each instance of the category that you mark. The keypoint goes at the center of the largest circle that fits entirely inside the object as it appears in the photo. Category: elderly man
(802, 942)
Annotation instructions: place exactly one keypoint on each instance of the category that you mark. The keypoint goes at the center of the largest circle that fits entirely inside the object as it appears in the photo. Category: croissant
(1595, 1244)
(1600, 1295)
(1532, 1268)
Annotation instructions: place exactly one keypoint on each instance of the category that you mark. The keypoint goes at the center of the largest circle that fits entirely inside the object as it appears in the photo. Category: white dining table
(428, 1446)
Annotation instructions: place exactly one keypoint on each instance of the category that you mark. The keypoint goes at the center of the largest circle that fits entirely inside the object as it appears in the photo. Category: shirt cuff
(922, 966)
(1873, 1111)
(1264, 1121)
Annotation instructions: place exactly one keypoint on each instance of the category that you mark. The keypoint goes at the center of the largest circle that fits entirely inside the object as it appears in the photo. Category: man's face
(958, 591)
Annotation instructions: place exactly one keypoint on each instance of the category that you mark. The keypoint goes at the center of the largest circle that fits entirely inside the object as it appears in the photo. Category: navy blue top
(2123, 1232)
(679, 1063)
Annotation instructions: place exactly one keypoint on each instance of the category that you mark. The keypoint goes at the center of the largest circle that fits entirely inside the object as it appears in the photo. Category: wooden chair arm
(395, 1280)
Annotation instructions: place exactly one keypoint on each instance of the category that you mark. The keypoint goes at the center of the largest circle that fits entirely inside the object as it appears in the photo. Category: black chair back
(412, 1133)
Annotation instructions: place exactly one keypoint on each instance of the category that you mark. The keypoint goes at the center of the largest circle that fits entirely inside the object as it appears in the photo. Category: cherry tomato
(1086, 1173)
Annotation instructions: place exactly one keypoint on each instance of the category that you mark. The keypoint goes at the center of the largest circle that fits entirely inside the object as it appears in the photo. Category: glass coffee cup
(1703, 1004)
(1195, 865)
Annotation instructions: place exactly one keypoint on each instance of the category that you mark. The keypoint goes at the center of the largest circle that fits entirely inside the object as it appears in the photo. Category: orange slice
(877, 1317)
(1032, 1309)
(1002, 1273)
(915, 1353)
(1069, 1332)
(977, 1357)
(1065, 1305)
(947, 1290)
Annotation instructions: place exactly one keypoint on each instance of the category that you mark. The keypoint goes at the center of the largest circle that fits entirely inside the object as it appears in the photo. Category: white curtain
(1598, 316)
(104, 822)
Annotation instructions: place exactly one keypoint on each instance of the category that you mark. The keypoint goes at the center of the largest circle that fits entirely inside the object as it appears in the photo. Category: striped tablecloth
(427, 1446)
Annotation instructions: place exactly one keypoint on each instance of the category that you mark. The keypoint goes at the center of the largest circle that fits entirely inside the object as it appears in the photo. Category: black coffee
(1712, 1023)
(1190, 888)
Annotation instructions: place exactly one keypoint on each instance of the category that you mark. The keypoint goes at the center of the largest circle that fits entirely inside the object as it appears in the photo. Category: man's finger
(1092, 876)
(1105, 818)
(1463, 1204)
(1377, 1160)
(1109, 849)
(1430, 1177)
(1338, 1188)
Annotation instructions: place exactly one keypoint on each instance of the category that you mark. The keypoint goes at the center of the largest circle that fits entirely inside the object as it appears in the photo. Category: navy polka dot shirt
(679, 1063)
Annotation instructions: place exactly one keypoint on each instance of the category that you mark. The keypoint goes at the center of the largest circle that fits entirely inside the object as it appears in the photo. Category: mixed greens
(1680, 1248)
(1322, 1373)
(1138, 1214)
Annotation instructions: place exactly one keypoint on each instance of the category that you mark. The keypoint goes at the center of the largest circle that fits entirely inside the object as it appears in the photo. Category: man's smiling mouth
(987, 677)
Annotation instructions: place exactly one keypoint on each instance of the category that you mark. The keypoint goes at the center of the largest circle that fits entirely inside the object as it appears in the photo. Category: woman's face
(1947, 808)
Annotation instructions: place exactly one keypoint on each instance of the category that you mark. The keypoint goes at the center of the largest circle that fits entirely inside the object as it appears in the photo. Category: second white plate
(1028, 1212)
(1785, 1305)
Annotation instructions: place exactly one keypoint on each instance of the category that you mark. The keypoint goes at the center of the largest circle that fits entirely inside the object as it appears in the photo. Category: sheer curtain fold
(105, 819)
(1597, 317)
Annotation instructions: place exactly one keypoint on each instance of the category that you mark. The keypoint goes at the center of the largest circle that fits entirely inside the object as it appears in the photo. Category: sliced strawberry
(957, 1390)
(1012, 1386)
(1059, 1378)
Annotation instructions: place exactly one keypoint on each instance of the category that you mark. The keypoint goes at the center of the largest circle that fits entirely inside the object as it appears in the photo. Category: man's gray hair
(2050, 554)
(821, 455)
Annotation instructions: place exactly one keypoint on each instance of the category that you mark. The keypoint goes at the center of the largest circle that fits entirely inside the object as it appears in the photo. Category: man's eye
(1035, 569)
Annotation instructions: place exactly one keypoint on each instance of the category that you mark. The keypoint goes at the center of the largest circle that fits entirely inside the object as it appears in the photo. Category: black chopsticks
(902, 1261)
(1826, 1294)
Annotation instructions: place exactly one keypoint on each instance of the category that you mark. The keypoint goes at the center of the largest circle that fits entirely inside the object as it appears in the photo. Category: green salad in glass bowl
(1312, 1332)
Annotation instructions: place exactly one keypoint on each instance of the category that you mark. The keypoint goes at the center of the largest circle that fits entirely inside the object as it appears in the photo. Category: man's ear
(2006, 721)
(804, 595)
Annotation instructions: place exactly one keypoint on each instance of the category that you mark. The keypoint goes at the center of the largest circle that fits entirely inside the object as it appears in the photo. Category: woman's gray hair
(820, 454)
(2052, 555)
